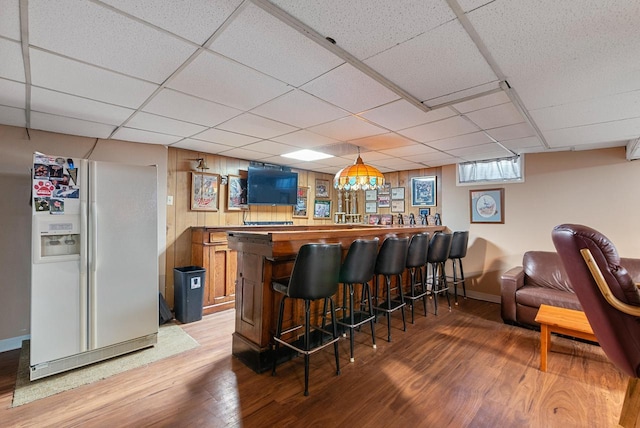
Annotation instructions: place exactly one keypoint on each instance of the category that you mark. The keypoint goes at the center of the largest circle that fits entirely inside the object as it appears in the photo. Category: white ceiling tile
(73, 77)
(522, 145)
(605, 109)
(304, 139)
(595, 133)
(154, 123)
(60, 104)
(13, 116)
(435, 158)
(256, 126)
(511, 132)
(270, 147)
(10, 19)
(408, 151)
(195, 20)
(299, 109)
(348, 128)
(263, 42)
(435, 63)
(141, 136)
(548, 49)
(496, 116)
(371, 156)
(11, 66)
(398, 164)
(224, 137)
(350, 89)
(200, 146)
(446, 128)
(98, 35)
(12, 94)
(67, 125)
(365, 28)
(402, 114)
(241, 153)
(179, 106)
(481, 102)
(339, 162)
(383, 141)
(218, 79)
(460, 141)
(481, 152)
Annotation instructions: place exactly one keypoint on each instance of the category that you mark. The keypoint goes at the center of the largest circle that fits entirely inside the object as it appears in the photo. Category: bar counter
(265, 254)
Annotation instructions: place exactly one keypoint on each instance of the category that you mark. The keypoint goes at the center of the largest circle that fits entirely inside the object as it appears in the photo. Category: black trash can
(188, 283)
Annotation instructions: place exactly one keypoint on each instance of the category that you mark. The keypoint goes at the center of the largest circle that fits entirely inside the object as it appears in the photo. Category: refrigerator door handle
(84, 298)
(93, 253)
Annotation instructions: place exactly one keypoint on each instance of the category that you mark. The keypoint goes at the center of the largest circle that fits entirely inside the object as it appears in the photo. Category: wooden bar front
(263, 255)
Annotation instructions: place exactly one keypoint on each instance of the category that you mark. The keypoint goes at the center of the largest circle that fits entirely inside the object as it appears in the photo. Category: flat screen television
(271, 186)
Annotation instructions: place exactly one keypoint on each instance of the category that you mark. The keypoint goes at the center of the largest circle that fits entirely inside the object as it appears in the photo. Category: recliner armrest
(510, 282)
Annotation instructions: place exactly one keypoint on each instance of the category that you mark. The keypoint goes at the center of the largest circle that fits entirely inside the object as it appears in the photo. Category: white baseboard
(12, 343)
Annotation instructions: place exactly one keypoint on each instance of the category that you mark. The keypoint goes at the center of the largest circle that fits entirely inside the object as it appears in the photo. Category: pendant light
(358, 176)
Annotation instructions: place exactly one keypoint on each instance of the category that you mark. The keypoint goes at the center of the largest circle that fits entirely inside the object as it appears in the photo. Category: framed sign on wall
(423, 191)
(486, 206)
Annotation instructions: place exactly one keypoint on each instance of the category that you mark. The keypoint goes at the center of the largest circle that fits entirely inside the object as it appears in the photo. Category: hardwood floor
(463, 368)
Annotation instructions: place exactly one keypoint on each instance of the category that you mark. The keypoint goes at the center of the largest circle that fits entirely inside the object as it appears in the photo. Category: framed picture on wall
(322, 188)
(383, 201)
(486, 206)
(384, 189)
(322, 209)
(423, 191)
(370, 195)
(371, 207)
(397, 193)
(423, 212)
(205, 189)
(236, 193)
(397, 206)
(300, 209)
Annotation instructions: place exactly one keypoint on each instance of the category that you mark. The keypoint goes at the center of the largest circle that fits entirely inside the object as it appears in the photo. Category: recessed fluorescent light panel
(307, 155)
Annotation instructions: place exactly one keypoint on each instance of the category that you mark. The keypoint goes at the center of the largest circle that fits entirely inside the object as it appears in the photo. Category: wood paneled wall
(181, 163)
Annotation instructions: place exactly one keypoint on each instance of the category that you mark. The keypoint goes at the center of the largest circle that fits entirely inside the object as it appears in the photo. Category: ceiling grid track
(24, 42)
(484, 51)
(338, 51)
(184, 65)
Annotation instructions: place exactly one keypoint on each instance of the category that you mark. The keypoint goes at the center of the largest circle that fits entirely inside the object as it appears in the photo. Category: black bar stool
(438, 254)
(458, 251)
(416, 262)
(314, 276)
(390, 262)
(357, 268)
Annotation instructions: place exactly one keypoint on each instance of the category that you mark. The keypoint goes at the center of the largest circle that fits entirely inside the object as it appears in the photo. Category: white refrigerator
(94, 277)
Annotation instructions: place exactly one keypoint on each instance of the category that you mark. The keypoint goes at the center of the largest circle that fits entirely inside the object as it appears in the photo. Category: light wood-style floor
(463, 368)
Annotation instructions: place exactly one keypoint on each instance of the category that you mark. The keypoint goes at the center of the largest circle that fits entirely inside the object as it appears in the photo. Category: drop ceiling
(411, 83)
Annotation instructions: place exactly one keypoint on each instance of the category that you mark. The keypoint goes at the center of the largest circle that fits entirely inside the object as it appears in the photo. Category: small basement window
(509, 169)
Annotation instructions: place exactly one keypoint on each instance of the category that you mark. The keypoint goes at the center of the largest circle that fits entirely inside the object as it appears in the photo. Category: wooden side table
(563, 321)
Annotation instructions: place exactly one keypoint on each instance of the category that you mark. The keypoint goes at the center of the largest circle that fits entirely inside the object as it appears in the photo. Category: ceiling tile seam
(592, 124)
(26, 60)
(73, 118)
(158, 28)
(587, 100)
(338, 51)
(484, 131)
(486, 54)
(9, 39)
(517, 102)
(90, 64)
(199, 50)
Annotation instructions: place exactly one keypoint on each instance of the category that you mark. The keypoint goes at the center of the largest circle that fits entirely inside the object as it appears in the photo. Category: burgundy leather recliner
(618, 332)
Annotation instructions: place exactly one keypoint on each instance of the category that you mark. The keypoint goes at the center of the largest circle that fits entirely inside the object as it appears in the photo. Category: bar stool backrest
(359, 262)
(392, 257)
(459, 245)
(439, 247)
(315, 271)
(418, 248)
